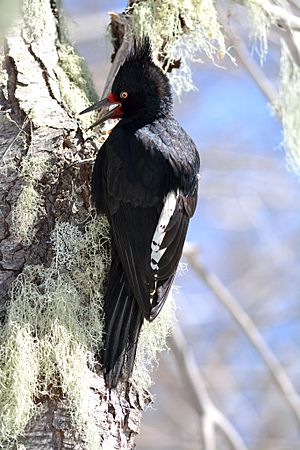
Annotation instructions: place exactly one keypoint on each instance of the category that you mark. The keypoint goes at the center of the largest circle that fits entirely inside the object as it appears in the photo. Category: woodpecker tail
(122, 324)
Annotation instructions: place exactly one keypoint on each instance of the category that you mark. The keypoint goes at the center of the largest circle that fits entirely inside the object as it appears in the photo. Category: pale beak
(105, 103)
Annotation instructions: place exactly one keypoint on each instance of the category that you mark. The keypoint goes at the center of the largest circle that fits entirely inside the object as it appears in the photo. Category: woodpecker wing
(148, 207)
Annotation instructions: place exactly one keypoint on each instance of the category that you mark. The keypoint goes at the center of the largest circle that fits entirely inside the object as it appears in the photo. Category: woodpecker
(145, 180)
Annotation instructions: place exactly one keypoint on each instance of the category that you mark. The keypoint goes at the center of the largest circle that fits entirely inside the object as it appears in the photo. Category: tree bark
(44, 148)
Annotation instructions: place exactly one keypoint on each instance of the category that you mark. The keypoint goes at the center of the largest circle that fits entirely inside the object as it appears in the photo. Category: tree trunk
(45, 181)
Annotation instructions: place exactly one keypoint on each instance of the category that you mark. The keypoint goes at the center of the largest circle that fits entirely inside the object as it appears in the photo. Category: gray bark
(35, 122)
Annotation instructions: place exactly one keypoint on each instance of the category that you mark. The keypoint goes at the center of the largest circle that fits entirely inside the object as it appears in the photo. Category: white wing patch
(160, 232)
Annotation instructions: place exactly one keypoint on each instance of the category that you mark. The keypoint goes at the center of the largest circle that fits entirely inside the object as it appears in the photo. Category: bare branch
(253, 68)
(284, 18)
(276, 370)
(248, 62)
(122, 52)
(199, 396)
(295, 3)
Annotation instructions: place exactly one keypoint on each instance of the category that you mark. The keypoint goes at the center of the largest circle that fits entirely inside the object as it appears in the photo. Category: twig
(253, 68)
(280, 378)
(284, 18)
(248, 62)
(122, 52)
(211, 416)
(295, 43)
(295, 3)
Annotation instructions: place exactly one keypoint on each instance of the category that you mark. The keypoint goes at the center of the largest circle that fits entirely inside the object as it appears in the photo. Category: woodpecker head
(140, 89)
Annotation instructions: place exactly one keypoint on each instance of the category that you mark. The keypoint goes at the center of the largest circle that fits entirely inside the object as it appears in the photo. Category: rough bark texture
(35, 124)
(118, 417)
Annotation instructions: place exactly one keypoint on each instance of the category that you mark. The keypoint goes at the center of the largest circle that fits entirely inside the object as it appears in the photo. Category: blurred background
(246, 233)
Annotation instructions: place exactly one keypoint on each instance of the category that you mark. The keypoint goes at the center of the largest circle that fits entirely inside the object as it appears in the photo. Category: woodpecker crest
(140, 86)
(140, 90)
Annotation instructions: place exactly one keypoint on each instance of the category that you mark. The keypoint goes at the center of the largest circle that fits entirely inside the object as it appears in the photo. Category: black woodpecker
(145, 180)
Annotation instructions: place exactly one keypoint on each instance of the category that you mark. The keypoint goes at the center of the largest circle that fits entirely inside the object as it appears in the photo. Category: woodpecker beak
(114, 110)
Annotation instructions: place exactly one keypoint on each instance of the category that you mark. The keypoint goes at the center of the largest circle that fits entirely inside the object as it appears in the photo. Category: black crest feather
(141, 51)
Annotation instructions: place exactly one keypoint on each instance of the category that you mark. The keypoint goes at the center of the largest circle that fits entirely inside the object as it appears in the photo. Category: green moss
(74, 79)
(25, 213)
(35, 14)
(34, 167)
(18, 372)
(152, 341)
(75, 68)
(3, 73)
(260, 22)
(75, 82)
(184, 29)
(288, 107)
(53, 328)
(29, 203)
(54, 322)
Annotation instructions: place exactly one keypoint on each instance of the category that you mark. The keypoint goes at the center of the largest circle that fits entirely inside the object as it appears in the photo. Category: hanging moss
(36, 18)
(152, 341)
(28, 206)
(260, 22)
(183, 29)
(75, 81)
(287, 105)
(53, 328)
(18, 374)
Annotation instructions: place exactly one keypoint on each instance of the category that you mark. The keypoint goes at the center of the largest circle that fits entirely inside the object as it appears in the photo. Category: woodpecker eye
(124, 94)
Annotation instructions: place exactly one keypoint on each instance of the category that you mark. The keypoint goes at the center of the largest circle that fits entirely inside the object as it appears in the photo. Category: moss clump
(183, 29)
(18, 373)
(75, 81)
(36, 17)
(288, 107)
(29, 203)
(75, 68)
(53, 328)
(3, 73)
(152, 341)
(260, 22)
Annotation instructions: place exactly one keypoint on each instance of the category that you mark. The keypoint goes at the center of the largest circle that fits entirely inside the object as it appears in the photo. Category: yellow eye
(124, 94)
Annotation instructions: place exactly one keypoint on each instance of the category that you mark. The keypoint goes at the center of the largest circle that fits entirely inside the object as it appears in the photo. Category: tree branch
(248, 62)
(284, 18)
(279, 376)
(126, 39)
(199, 397)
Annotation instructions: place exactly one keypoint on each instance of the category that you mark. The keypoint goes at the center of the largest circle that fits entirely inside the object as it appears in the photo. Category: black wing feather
(137, 173)
(133, 175)
(122, 325)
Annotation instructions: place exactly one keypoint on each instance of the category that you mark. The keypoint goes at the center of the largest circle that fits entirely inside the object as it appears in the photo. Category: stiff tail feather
(122, 324)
